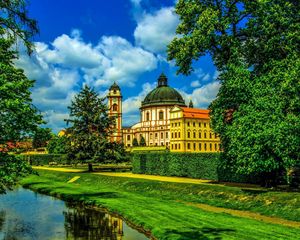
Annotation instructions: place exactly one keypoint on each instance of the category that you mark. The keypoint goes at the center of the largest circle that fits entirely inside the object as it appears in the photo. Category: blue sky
(99, 42)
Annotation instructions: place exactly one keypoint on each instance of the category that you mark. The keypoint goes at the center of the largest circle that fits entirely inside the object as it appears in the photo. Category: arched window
(115, 107)
(161, 115)
(147, 116)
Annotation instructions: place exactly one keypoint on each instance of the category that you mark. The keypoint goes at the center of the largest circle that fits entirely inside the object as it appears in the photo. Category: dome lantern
(162, 80)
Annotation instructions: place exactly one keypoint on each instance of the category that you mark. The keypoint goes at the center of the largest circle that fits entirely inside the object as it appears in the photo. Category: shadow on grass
(200, 233)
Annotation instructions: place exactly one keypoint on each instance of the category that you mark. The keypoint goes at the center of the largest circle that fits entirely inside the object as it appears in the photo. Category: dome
(163, 95)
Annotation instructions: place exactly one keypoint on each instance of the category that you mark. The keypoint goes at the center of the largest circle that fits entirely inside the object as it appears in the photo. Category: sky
(97, 42)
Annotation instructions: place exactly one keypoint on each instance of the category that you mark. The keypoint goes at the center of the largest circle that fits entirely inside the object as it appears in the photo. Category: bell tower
(115, 109)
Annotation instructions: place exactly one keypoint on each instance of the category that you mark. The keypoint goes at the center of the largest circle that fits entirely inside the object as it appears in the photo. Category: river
(25, 214)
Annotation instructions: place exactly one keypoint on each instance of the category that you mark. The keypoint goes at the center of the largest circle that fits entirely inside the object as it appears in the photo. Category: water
(25, 214)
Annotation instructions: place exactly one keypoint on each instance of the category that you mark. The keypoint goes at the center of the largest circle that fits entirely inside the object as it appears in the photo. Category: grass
(160, 207)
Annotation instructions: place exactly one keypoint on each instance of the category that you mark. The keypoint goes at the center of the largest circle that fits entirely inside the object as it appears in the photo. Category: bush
(45, 159)
(194, 165)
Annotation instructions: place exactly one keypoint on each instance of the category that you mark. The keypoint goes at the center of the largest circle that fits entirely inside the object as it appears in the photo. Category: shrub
(194, 165)
(45, 159)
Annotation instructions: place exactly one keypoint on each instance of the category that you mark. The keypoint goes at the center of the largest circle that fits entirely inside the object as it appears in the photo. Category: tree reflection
(2, 219)
(88, 224)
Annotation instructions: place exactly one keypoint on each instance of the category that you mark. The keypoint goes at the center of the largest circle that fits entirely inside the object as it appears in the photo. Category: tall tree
(41, 137)
(58, 145)
(135, 142)
(255, 46)
(18, 117)
(90, 128)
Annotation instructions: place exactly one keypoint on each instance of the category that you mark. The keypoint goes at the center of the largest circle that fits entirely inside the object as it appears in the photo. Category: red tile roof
(195, 113)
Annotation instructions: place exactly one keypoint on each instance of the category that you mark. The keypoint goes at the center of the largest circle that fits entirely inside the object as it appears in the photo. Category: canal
(25, 214)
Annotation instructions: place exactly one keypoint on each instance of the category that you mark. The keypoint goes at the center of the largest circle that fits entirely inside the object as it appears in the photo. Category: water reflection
(90, 224)
(27, 215)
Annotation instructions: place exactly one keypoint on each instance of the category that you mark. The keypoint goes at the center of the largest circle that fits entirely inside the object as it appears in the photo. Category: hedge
(45, 159)
(194, 165)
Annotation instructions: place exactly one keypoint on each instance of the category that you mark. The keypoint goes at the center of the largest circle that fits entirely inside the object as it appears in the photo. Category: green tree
(15, 23)
(135, 142)
(255, 46)
(90, 127)
(58, 145)
(142, 141)
(18, 117)
(41, 137)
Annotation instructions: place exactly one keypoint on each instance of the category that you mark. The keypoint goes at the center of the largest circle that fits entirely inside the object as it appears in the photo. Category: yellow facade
(191, 132)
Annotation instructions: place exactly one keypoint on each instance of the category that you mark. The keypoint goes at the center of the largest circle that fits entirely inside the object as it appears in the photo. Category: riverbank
(172, 210)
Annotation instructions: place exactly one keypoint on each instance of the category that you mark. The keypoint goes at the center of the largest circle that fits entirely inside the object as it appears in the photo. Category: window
(171, 146)
(210, 147)
(176, 135)
(147, 116)
(205, 135)
(210, 135)
(115, 107)
(188, 124)
(189, 134)
(128, 137)
(204, 146)
(204, 124)
(188, 146)
(178, 145)
(156, 136)
(216, 148)
(162, 135)
(194, 124)
(216, 135)
(194, 146)
(115, 91)
(199, 124)
(161, 115)
(199, 146)
(178, 124)
(194, 134)
(175, 124)
(175, 146)
(199, 134)
(167, 135)
(172, 135)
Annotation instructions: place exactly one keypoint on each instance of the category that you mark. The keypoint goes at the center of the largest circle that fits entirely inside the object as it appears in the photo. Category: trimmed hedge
(45, 159)
(194, 165)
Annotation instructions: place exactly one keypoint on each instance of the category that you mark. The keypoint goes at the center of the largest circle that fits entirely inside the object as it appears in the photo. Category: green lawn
(155, 205)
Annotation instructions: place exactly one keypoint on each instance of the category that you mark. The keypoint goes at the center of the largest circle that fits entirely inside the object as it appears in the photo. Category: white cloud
(206, 77)
(202, 96)
(127, 62)
(195, 83)
(156, 30)
(132, 104)
(69, 62)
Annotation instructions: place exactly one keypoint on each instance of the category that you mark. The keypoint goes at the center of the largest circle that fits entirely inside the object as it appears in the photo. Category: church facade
(156, 125)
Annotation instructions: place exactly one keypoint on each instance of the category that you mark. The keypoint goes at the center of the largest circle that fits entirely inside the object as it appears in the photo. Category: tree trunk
(90, 167)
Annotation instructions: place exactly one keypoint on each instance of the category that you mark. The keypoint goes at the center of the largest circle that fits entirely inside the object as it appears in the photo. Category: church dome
(163, 95)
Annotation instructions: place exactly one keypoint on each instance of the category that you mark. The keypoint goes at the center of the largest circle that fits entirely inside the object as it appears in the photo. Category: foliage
(142, 141)
(15, 23)
(44, 159)
(194, 165)
(58, 145)
(18, 117)
(11, 169)
(41, 137)
(255, 46)
(135, 142)
(91, 128)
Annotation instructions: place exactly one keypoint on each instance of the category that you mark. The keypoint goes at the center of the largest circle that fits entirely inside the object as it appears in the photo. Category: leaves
(255, 46)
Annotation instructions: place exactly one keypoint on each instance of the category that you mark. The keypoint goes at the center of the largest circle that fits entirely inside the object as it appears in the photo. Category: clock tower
(115, 109)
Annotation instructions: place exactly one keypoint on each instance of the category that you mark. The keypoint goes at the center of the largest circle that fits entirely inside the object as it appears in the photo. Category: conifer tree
(90, 127)
(142, 141)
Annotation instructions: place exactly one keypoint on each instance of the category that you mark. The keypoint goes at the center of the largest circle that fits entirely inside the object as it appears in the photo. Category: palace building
(165, 121)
